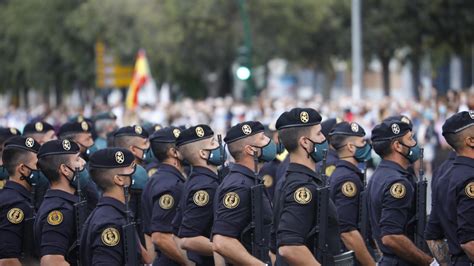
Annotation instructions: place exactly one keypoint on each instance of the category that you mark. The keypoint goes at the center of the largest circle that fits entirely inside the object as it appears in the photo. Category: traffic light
(242, 73)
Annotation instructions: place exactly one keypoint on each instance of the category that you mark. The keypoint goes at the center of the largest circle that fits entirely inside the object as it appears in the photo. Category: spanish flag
(141, 75)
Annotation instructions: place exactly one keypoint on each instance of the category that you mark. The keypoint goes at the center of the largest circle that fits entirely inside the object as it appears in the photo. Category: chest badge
(349, 189)
(166, 201)
(398, 190)
(201, 198)
(55, 218)
(15, 215)
(267, 181)
(303, 195)
(110, 237)
(470, 190)
(231, 200)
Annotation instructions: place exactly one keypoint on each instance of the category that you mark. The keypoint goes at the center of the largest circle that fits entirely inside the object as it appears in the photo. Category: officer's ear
(397, 146)
(305, 143)
(119, 180)
(64, 170)
(203, 154)
(248, 149)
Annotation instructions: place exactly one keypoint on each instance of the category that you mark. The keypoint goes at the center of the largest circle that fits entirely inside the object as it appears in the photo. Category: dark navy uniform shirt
(391, 204)
(296, 211)
(442, 169)
(452, 216)
(55, 225)
(160, 200)
(331, 160)
(345, 188)
(15, 208)
(268, 174)
(232, 206)
(102, 239)
(197, 209)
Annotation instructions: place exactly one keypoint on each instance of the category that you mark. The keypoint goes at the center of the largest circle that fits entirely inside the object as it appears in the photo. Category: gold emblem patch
(470, 190)
(29, 142)
(152, 171)
(267, 181)
(246, 129)
(201, 198)
(200, 132)
(157, 127)
(119, 157)
(55, 218)
(176, 132)
(66, 145)
(13, 131)
(84, 125)
(303, 195)
(330, 169)
(80, 118)
(15, 215)
(398, 190)
(166, 201)
(304, 117)
(39, 126)
(231, 200)
(138, 130)
(110, 237)
(349, 189)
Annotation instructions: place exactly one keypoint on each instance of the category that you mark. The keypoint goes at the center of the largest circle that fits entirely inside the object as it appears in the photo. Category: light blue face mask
(268, 151)
(414, 153)
(148, 156)
(216, 156)
(363, 153)
(318, 151)
(139, 178)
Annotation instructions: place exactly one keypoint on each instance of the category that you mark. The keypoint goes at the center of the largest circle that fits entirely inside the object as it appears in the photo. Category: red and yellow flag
(141, 75)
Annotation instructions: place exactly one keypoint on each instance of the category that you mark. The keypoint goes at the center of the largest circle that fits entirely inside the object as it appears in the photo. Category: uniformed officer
(105, 123)
(5, 134)
(200, 148)
(16, 207)
(296, 206)
(161, 197)
(152, 163)
(55, 226)
(391, 195)
(452, 216)
(346, 184)
(40, 131)
(80, 133)
(233, 205)
(332, 157)
(103, 241)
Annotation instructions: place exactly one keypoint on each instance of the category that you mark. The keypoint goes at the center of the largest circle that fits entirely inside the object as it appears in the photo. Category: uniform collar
(19, 188)
(242, 170)
(452, 155)
(464, 160)
(61, 194)
(299, 168)
(332, 155)
(393, 165)
(109, 201)
(163, 167)
(344, 163)
(199, 170)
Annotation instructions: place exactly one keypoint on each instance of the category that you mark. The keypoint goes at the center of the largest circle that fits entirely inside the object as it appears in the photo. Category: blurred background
(223, 61)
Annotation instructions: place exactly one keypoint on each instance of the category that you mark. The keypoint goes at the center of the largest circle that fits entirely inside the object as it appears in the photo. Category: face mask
(34, 178)
(148, 156)
(3, 173)
(318, 151)
(139, 178)
(413, 153)
(216, 156)
(81, 176)
(268, 152)
(364, 153)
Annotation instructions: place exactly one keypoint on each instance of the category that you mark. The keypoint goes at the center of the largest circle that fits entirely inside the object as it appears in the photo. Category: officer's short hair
(236, 147)
(124, 141)
(190, 151)
(69, 136)
(160, 149)
(103, 177)
(100, 125)
(49, 165)
(456, 140)
(12, 158)
(384, 147)
(338, 141)
(290, 136)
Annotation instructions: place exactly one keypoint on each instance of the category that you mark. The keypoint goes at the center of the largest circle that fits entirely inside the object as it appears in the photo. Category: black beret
(243, 130)
(111, 158)
(194, 134)
(389, 129)
(7, 132)
(328, 124)
(458, 122)
(79, 118)
(347, 129)
(75, 127)
(24, 143)
(38, 127)
(105, 116)
(401, 118)
(131, 131)
(58, 147)
(298, 117)
(166, 135)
